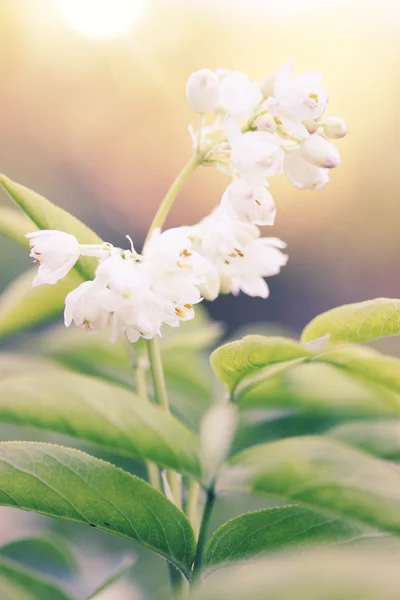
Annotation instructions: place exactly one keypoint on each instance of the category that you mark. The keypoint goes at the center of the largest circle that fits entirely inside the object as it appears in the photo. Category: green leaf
(324, 475)
(318, 389)
(237, 360)
(46, 215)
(23, 307)
(69, 484)
(274, 530)
(255, 428)
(317, 574)
(346, 380)
(359, 322)
(365, 365)
(17, 583)
(14, 225)
(107, 415)
(381, 438)
(49, 553)
(189, 387)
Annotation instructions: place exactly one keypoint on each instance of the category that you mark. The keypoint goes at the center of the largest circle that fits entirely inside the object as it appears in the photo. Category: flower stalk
(208, 508)
(171, 195)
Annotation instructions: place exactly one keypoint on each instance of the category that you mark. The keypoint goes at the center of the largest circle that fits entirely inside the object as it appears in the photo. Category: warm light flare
(102, 18)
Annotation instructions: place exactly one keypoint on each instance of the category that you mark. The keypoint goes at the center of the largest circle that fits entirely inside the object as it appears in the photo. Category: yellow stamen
(186, 253)
(232, 254)
(239, 251)
(227, 262)
(179, 312)
(258, 202)
(313, 96)
(188, 306)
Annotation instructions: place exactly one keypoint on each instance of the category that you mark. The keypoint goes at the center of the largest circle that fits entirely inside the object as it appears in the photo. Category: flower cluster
(255, 132)
(278, 126)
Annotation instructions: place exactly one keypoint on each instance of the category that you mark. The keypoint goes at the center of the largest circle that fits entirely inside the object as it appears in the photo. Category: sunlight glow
(102, 18)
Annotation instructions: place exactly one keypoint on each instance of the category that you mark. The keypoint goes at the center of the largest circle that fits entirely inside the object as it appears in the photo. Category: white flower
(56, 251)
(202, 91)
(137, 311)
(262, 258)
(335, 127)
(251, 203)
(87, 306)
(239, 96)
(240, 257)
(321, 153)
(255, 154)
(298, 99)
(302, 174)
(174, 271)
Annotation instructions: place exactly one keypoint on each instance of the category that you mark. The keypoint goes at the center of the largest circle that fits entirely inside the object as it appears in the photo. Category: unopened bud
(267, 86)
(265, 122)
(311, 126)
(335, 127)
(318, 151)
(202, 91)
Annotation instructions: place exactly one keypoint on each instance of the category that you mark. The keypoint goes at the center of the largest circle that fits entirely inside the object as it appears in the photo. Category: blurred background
(93, 115)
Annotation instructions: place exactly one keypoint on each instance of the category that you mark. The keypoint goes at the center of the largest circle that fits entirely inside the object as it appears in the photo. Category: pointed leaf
(47, 215)
(275, 530)
(324, 475)
(98, 412)
(70, 484)
(317, 574)
(14, 225)
(381, 438)
(359, 322)
(49, 553)
(18, 583)
(317, 388)
(237, 360)
(23, 307)
(189, 387)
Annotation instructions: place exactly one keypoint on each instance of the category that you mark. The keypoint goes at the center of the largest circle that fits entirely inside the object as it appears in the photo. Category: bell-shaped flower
(55, 251)
(262, 258)
(321, 153)
(202, 91)
(174, 271)
(295, 100)
(239, 96)
(255, 154)
(302, 174)
(251, 203)
(137, 317)
(88, 306)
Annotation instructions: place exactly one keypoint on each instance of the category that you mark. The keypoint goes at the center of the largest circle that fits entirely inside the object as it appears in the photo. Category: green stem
(157, 373)
(141, 388)
(161, 397)
(175, 578)
(112, 579)
(192, 506)
(208, 508)
(170, 196)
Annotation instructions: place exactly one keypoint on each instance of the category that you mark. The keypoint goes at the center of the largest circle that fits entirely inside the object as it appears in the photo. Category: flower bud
(311, 126)
(202, 91)
(267, 86)
(319, 152)
(335, 127)
(265, 122)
